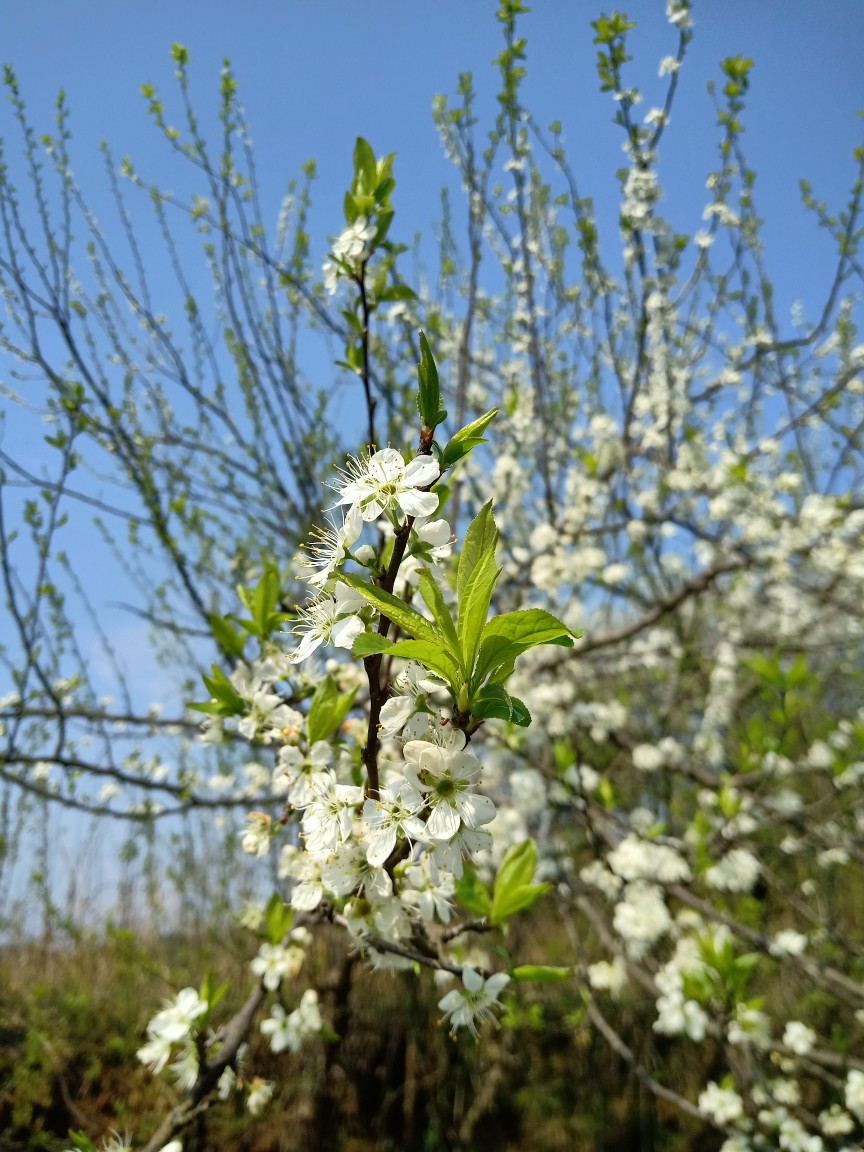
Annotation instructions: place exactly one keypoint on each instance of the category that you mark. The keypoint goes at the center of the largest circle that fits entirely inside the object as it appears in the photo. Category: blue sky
(314, 75)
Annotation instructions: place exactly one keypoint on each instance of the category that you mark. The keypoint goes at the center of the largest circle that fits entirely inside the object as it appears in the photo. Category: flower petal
(443, 823)
(472, 979)
(421, 471)
(415, 503)
(346, 631)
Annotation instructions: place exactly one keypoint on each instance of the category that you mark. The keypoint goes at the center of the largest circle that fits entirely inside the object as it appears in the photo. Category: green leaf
(429, 391)
(350, 208)
(327, 710)
(474, 605)
(385, 166)
(81, 1142)
(466, 439)
(481, 537)
(798, 673)
(513, 888)
(437, 605)
(506, 637)
(767, 669)
(492, 702)
(530, 627)
(607, 793)
(210, 707)
(472, 893)
(262, 603)
(453, 453)
(265, 598)
(365, 167)
(209, 992)
(396, 292)
(385, 219)
(434, 656)
(502, 672)
(230, 640)
(477, 427)
(516, 900)
(248, 626)
(496, 660)
(370, 644)
(324, 704)
(278, 919)
(382, 190)
(224, 692)
(543, 973)
(518, 866)
(394, 609)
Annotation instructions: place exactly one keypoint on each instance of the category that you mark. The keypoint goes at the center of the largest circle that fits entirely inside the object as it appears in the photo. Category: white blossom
(172, 1025)
(255, 838)
(475, 1001)
(276, 962)
(799, 1037)
(608, 976)
(854, 1093)
(637, 859)
(793, 1137)
(329, 816)
(350, 248)
(330, 620)
(641, 918)
(723, 1105)
(788, 943)
(328, 549)
(738, 871)
(447, 780)
(289, 1030)
(396, 812)
(834, 1121)
(260, 1095)
(384, 481)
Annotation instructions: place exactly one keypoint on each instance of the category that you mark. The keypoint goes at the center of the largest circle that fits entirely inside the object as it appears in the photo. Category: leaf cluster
(473, 656)
(514, 889)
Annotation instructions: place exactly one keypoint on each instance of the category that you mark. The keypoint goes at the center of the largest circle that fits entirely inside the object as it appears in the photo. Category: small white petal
(472, 979)
(443, 823)
(346, 631)
(415, 503)
(421, 471)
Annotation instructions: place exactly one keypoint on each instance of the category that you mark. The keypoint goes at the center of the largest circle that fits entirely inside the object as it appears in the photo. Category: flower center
(445, 788)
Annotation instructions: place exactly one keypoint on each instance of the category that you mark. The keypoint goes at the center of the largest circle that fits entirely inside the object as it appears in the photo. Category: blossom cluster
(392, 857)
(389, 857)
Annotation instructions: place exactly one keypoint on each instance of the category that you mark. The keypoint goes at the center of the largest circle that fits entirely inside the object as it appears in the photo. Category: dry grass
(73, 1018)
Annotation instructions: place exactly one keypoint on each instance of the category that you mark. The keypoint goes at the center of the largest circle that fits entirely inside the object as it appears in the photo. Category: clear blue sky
(313, 75)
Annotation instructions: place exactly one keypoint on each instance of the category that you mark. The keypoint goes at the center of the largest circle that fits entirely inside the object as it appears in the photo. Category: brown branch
(410, 954)
(371, 401)
(694, 587)
(642, 1074)
(455, 930)
(77, 712)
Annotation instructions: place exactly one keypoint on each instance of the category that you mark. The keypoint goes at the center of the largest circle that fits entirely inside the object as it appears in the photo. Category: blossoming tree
(636, 447)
